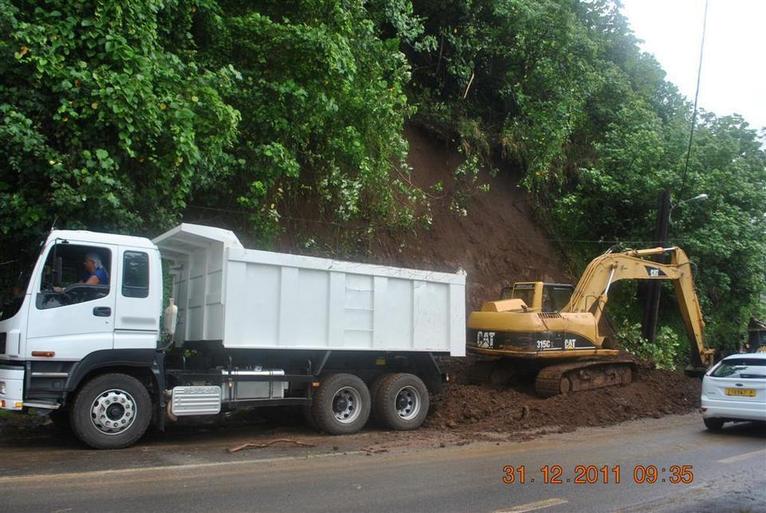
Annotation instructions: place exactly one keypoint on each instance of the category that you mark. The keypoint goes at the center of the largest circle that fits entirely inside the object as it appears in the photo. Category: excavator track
(583, 375)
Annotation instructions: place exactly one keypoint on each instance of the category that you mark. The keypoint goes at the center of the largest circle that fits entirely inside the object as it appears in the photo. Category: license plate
(741, 392)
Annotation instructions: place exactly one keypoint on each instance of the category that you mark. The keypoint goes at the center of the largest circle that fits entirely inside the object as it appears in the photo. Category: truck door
(139, 300)
(72, 313)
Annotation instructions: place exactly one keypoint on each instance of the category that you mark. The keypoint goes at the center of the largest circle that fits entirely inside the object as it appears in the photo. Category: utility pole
(652, 302)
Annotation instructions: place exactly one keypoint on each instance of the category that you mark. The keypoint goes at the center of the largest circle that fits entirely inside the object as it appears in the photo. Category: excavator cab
(540, 296)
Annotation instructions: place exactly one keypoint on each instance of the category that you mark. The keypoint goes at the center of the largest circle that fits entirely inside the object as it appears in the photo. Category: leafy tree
(322, 98)
(106, 120)
(727, 233)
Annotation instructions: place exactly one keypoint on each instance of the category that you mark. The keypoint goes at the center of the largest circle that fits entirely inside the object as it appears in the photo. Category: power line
(696, 97)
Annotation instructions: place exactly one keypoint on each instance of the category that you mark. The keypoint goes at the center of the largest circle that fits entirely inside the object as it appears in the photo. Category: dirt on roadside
(484, 409)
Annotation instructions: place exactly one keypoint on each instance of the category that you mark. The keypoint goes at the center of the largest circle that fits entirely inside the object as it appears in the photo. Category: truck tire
(374, 391)
(111, 411)
(401, 402)
(341, 405)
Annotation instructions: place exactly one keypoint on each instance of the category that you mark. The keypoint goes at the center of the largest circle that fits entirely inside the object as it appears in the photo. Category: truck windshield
(15, 271)
(13, 286)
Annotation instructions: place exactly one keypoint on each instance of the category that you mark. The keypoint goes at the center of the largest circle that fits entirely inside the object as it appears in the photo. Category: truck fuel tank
(244, 390)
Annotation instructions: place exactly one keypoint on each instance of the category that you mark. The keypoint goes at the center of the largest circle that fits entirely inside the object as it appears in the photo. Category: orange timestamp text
(599, 474)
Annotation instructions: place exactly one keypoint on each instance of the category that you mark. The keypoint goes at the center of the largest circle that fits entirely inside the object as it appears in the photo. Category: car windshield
(741, 368)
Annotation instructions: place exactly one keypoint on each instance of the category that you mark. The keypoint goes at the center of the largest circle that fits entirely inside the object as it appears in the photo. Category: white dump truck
(254, 328)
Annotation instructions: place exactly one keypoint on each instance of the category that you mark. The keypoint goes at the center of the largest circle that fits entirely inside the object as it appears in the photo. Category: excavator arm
(591, 292)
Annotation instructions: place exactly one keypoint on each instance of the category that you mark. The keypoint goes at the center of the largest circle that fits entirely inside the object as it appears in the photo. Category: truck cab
(60, 325)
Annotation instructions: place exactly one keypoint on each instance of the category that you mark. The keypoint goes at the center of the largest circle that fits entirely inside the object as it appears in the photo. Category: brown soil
(478, 409)
(497, 243)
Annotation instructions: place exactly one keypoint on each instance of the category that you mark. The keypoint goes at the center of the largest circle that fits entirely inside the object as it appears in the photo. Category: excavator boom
(591, 293)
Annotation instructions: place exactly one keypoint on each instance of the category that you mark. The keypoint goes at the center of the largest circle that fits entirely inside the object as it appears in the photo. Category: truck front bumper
(11, 388)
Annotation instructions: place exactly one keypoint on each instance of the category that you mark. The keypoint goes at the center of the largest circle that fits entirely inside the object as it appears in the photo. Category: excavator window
(556, 296)
(523, 291)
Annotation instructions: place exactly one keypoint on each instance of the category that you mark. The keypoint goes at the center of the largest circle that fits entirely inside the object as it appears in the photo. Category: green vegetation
(322, 100)
(106, 115)
(666, 352)
(120, 116)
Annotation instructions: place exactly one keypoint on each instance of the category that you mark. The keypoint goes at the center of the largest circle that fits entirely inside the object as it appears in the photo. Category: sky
(733, 67)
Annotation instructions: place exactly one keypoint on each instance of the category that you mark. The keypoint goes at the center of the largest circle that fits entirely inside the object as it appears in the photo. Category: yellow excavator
(551, 331)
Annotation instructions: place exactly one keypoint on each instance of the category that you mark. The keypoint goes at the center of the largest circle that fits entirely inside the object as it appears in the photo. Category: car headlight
(2, 387)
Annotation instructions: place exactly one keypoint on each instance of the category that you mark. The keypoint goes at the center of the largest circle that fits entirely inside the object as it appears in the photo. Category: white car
(735, 389)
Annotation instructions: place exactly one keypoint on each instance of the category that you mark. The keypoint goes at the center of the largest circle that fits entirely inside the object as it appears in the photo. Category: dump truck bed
(251, 299)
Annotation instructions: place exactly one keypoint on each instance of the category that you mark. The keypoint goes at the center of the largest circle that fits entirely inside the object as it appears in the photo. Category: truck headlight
(2, 387)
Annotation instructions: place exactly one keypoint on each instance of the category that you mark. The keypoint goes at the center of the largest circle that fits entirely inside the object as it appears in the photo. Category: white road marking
(533, 506)
(186, 466)
(740, 457)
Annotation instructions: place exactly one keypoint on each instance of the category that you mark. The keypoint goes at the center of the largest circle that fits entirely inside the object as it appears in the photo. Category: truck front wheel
(341, 405)
(111, 411)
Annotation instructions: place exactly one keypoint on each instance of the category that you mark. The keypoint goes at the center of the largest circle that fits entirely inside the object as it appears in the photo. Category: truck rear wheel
(374, 391)
(402, 402)
(111, 411)
(341, 405)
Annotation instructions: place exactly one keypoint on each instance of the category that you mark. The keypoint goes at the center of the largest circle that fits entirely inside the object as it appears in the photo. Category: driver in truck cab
(94, 274)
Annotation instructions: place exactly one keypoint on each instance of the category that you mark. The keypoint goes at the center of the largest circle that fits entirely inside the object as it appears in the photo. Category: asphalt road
(729, 474)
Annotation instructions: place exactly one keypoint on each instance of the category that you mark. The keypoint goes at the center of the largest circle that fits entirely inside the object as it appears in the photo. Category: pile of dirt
(476, 409)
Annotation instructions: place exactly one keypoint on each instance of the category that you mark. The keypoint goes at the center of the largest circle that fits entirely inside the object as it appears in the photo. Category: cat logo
(654, 272)
(485, 339)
